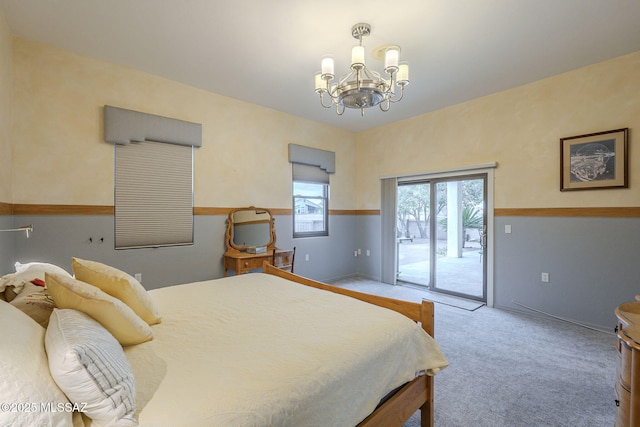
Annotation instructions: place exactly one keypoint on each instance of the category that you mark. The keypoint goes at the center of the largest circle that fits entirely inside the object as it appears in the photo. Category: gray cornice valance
(324, 159)
(126, 126)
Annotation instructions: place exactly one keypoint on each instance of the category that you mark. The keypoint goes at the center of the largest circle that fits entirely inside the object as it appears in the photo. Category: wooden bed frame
(417, 394)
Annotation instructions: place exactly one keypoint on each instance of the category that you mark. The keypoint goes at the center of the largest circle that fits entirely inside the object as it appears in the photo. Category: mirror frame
(231, 246)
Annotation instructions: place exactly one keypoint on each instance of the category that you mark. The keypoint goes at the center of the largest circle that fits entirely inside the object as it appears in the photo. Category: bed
(261, 350)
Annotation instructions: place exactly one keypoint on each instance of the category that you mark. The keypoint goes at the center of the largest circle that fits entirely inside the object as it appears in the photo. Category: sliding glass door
(441, 234)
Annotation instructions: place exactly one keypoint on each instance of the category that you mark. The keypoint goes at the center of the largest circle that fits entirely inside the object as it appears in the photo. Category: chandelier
(362, 87)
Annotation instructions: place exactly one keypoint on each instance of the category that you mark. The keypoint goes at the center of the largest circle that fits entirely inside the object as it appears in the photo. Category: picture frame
(594, 161)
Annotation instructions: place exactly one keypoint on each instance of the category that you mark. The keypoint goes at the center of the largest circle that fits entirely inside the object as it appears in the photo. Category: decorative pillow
(36, 302)
(90, 367)
(26, 380)
(118, 284)
(110, 312)
(26, 273)
(39, 266)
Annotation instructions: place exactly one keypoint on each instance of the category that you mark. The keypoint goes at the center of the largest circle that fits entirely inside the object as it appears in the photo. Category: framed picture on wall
(594, 161)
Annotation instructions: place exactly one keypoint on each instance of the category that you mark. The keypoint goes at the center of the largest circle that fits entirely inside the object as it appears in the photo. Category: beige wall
(62, 157)
(6, 84)
(518, 128)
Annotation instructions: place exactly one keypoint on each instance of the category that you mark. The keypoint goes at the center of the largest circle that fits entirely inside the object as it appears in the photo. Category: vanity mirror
(251, 240)
(250, 228)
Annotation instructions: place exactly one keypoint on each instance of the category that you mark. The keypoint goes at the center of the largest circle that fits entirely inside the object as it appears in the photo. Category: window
(153, 177)
(153, 195)
(311, 169)
(310, 201)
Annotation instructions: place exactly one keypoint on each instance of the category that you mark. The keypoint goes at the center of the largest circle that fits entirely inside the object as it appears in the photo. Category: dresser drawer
(623, 401)
(624, 364)
(251, 263)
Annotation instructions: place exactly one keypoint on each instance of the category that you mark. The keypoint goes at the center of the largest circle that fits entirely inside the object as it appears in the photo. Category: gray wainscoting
(6, 244)
(592, 264)
(329, 258)
(58, 238)
(369, 239)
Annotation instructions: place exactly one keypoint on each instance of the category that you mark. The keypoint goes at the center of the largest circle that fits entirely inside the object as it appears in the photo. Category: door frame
(433, 270)
(389, 255)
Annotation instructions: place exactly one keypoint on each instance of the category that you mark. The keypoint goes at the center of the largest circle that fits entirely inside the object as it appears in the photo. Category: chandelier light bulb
(357, 56)
(391, 57)
(327, 66)
(403, 73)
(320, 85)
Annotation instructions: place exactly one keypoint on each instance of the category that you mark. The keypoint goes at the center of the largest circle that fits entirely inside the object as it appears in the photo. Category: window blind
(153, 195)
(388, 208)
(308, 173)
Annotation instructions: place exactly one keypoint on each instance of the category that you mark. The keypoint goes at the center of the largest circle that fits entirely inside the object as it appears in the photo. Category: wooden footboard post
(426, 410)
(427, 320)
(427, 316)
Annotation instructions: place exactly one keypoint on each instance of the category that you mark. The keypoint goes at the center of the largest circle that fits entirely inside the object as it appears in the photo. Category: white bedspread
(258, 350)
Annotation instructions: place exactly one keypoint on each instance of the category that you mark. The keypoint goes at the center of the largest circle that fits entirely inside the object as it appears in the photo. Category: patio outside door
(441, 235)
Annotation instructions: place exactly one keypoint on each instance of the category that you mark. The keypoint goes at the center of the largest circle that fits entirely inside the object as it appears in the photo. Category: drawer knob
(617, 402)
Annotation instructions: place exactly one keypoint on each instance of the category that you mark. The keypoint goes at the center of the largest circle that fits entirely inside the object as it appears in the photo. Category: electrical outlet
(544, 277)
(355, 253)
(368, 252)
(306, 257)
(507, 229)
(138, 277)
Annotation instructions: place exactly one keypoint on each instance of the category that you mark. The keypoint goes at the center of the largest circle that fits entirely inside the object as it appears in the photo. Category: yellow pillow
(118, 284)
(110, 312)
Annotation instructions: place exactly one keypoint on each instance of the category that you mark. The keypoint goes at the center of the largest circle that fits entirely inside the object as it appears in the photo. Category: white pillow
(28, 272)
(40, 267)
(89, 365)
(24, 373)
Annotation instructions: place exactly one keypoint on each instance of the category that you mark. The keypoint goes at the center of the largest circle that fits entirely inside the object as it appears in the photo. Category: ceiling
(267, 51)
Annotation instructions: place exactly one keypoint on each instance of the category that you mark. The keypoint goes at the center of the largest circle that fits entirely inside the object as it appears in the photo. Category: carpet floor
(511, 369)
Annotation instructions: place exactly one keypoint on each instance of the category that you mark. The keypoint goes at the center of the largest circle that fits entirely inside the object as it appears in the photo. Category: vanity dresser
(627, 388)
(251, 240)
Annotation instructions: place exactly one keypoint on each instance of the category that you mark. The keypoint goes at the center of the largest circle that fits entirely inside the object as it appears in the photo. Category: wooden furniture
(251, 240)
(244, 262)
(627, 388)
(284, 259)
(413, 396)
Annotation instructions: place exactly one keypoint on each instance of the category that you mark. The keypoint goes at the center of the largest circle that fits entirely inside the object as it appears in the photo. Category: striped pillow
(90, 367)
